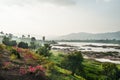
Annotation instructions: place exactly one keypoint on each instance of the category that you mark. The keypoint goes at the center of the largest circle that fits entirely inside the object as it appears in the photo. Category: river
(82, 47)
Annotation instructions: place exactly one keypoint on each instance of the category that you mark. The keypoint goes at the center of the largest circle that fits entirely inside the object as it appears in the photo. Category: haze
(59, 17)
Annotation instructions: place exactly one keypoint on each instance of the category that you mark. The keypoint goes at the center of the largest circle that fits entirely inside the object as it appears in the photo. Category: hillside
(90, 36)
(25, 64)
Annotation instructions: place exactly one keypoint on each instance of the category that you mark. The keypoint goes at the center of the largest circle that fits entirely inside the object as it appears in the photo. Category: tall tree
(23, 36)
(73, 62)
(33, 43)
(33, 39)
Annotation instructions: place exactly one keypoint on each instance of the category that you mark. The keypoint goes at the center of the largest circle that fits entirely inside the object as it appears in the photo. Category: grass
(63, 74)
(60, 73)
(92, 69)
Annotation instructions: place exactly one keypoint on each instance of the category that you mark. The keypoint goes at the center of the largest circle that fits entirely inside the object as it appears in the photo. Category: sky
(59, 17)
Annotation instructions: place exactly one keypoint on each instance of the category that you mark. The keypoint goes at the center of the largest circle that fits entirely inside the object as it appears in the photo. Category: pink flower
(32, 69)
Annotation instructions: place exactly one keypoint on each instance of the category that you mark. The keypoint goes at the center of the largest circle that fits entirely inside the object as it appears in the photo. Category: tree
(111, 71)
(8, 42)
(1, 32)
(32, 43)
(33, 39)
(10, 35)
(13, 43)
(28, 36)
(23, 36)
(73, 62)
(23, 45)
(44, 50)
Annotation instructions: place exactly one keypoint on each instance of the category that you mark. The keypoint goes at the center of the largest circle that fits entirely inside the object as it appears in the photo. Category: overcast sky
(59, 17)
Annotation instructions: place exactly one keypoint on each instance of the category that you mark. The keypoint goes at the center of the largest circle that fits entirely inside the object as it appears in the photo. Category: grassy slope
(93, 69)
(60, 73)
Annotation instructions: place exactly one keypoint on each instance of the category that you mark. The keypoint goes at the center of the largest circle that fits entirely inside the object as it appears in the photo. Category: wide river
(81, 46)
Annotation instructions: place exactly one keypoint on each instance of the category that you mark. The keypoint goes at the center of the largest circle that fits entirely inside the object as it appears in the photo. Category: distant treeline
(96, 41)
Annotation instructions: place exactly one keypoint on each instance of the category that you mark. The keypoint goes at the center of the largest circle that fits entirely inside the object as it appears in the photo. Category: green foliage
(73, 62)
(111, 71)
(8, 42)
(45, 50)
(13, 51)
(59, 73)
(5, 40)
(23, 45)
(32, 45)
(13, 43)
(33, 39)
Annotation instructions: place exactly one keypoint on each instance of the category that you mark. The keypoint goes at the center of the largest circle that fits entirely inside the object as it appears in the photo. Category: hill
(91, 36)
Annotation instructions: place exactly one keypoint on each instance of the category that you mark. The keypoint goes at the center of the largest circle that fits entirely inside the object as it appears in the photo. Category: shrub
(23, 45)
(13, 51)
(8, 42)
(32, 70)
(45, 50)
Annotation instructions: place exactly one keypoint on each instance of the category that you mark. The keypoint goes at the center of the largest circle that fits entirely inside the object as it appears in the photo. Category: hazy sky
(59, 17)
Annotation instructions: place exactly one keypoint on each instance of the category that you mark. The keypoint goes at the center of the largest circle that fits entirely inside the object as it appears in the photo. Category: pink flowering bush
(36, 68)
(30, 69)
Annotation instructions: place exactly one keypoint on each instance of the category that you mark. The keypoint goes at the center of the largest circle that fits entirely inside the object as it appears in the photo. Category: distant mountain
(90, 36)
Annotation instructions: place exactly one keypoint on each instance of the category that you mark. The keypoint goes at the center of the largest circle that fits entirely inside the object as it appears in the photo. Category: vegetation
(74, 60)
(92, 70)
(15, 53)
(44, 50)
(8, 42)
(23, 45)
(111, 71)
(32, 43)
(22, 63)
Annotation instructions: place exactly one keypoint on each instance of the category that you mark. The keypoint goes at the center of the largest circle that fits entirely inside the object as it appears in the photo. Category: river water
(81, 46)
